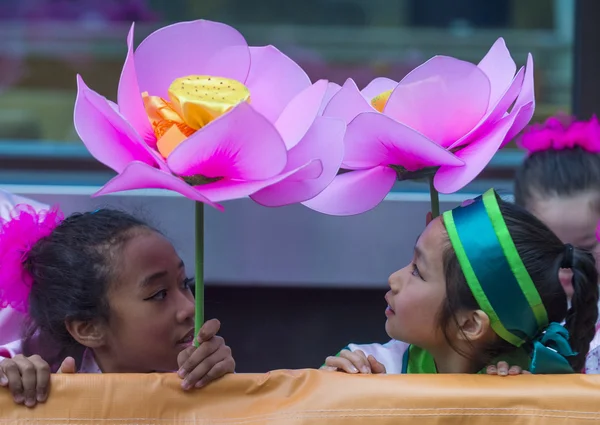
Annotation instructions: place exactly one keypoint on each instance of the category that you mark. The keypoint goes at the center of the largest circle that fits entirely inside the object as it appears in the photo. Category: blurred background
(290, 286)
(46, 42)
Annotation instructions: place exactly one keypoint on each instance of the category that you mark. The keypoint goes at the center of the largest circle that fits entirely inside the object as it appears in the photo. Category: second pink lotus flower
(446, 113)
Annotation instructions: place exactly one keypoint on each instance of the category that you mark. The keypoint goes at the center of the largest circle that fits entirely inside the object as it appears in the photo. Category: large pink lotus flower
(447, 116)
(201, 113)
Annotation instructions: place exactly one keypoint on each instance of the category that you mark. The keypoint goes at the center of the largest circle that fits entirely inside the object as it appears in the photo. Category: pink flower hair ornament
(562, 132)
(18, 235)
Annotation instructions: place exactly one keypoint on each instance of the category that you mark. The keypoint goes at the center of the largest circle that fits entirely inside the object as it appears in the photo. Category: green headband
(494, 271)
(498, 278)
(502, 286)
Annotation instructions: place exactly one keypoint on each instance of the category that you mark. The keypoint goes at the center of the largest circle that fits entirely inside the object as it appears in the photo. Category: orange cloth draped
(311, 397)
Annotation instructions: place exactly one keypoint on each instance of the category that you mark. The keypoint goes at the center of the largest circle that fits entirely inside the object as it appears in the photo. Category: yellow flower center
(194, 101)
(379, 101)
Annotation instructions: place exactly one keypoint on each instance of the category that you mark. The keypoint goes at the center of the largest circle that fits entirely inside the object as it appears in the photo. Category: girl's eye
(415, 270)
(188, 282)
(162, 294)
(159, 296)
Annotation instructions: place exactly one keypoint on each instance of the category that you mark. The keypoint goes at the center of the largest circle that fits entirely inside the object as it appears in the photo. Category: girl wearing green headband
(482, 287)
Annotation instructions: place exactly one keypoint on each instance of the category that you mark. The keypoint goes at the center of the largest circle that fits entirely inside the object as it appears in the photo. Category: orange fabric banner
(311, 397)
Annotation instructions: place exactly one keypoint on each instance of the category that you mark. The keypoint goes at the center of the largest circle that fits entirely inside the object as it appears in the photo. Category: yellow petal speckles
(194, 101)
(379, 101)
(199, 99)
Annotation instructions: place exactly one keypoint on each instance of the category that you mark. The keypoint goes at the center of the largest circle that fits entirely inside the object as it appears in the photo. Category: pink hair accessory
(18, 235)
(562, 132)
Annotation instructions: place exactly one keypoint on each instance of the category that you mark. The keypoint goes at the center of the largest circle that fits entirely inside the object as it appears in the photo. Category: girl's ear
(474, 326)
(89, 334)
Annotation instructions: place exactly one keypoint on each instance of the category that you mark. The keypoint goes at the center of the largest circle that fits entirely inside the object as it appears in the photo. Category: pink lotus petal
(114, 106)
(347, 103)
(527, 94)
(378, 86)
(500, 68)
(522, 118)
(241, 144)
(231, 189)
(325, 141)
(525, 105)
(496, 113)
(106, 134)
(354, 192)
(300, 113)
(444, 99)
(230, 62)
(274, 80)
(477, 155)
(332, 89)
(374, 139)
(131, 105)
(138, 175)
(190, 48)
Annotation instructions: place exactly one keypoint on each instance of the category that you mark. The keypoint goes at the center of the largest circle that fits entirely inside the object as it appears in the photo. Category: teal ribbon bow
(551, 350)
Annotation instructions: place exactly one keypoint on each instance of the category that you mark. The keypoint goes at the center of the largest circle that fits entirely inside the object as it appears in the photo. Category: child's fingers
(15, 384)
(328, 368)
(515, 370)
(222, 368)
(208, 330)
(42, 369)
(502, 368)
(205, 365)
(185, 355)
(376, 367)
(358, 359)
(200, 355)
(526, 372)
(28, 381)
(341, 363)
(3, 378)
(491, 370)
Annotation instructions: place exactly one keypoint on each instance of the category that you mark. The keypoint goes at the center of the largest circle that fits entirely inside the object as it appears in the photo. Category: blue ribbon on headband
(501, 284)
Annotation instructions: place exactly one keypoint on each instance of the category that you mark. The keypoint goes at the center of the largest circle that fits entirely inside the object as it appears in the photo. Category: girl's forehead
(146, 252)
(573, 219)
(433, 239)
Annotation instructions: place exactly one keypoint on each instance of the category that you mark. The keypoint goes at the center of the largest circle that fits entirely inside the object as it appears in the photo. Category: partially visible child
(559, 182)
(103, 289)
(482, 287)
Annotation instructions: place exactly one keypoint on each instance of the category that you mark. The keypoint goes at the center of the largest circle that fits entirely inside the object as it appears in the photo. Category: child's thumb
(376, 367)
(67, 366)
(209, 330)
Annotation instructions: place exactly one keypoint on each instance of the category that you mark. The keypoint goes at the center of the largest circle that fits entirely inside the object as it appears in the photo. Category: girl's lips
(187, 339)
(388, 311)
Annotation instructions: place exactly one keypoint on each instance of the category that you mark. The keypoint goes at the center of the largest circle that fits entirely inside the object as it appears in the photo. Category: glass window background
(45, 43)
